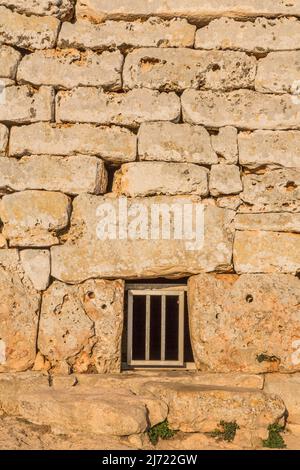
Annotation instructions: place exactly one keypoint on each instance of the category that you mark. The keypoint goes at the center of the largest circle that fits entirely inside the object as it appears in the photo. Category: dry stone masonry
(161, 102)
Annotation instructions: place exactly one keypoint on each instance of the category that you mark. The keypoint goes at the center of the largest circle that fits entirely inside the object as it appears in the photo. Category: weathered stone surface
(33, 218)
(288, 388)
(70, 68)
(229, 202)
(86, 322)
(178, 69)
(28, 32)
(100, 10)
(272, 148)
(166, 141)
(266, 252)
(279, 73)
(23, 104)
(225, 179)
(151, 178)
(62, 9)
(225, 144)
(274, 222)
(72, 175)
(36, 264)
(4, 133)
(244, 109)
(18, 315)
(153, 32)
(113, 144)
(129, 109)
(140, 258)
(273, 191)
(9, 60)
(244, 323)
(261, 36)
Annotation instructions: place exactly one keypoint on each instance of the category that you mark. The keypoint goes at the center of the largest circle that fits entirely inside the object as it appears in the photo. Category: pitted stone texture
(100, 10)
(245, 323)
(70, 68)
(153, 32)
(151, 178)
(225, 144)
(166, 141)
(36, 264)
(4, 133)
(72, 175)
(261, 36)
(86, 255)
(24, 104)
(86, 322)
(34, 218)
(266, 252)
(113, 144)
(91, 105)
(9, 60)
(27, 32)
(272, 148)
(62, 9)
(273, 191)
(225, 179)
(18, 315)
(273, 222)
(288, 388)
(178, 69)
(244, 109)
(279, 73)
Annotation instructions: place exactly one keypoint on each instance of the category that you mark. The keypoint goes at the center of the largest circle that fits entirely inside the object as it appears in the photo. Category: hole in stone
(249, 298)
(91, 295)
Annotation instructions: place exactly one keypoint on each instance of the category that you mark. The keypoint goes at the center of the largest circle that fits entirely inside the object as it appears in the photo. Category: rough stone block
(278, 72)
(225, 144)
(273, 222)
(288, 388)
(4, 133)
(62, 9)
(225, 179)
(9, 60)
(36, 265)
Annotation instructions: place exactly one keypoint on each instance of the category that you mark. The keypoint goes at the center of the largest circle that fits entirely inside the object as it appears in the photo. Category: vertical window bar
(163, 329)
(147, 342)
(129, 328)
(181, 329)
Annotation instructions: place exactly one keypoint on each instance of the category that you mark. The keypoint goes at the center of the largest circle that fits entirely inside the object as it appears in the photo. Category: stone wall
(174, 102)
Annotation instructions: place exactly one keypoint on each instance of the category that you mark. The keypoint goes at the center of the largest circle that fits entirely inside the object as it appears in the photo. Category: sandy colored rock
(178, 69)
(72, 175)
(244, 323)
(229, 202)
(150, 178)
(273, 191)
(153, 32)
(166, 141)
(225, 144)
(278, 72)
(272, 148)
(91, 105)
(225, 179)
(113, 144)
(4, 133)
(27, 32)
(18, 315)
(62, 9)
(24, 104)
(9, 60)
(266, 252)
(286, 387)
(244, 109)
(70, 68)
(36, 264)
(262, 35)
(33, 218)
(274, 222)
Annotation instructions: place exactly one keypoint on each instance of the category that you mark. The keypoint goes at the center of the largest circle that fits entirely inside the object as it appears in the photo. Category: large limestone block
(288, 388)
(24, 104)
(34, 218)
(91, 105)
(271, 148)
(27, 32)
(244, 323)
(278, 72)
(244, 109)
(4, 133)
(273, 222)
(9, 60)
(87, 254)
(225, 143)
(153, 32)
(70, 68)
(100, 10)
(262, 35)
(36, 264)
(178, 69)
(266, 252)
(166, 141)
(225, 179)
(62, 9)
(273, 191)
(150, 178)
(72, 175)
(114, 144)
(19, 310)
(86, 322)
